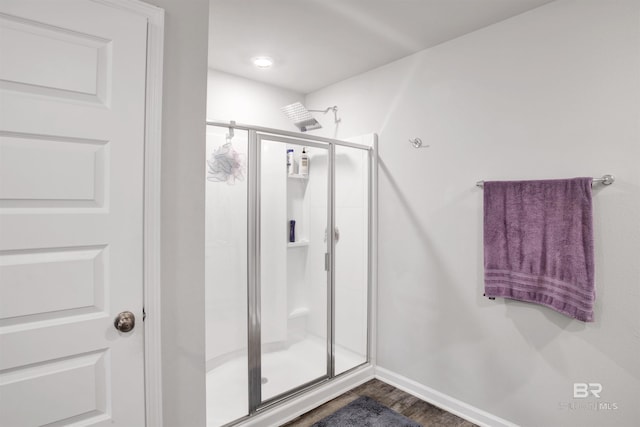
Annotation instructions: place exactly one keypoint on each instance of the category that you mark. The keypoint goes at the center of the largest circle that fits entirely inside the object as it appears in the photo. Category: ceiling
(315, 43)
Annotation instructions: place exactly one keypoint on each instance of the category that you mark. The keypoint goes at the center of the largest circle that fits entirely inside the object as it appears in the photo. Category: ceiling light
(262, 62)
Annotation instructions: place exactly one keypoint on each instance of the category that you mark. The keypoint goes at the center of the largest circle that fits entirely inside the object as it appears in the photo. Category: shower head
(301, 117)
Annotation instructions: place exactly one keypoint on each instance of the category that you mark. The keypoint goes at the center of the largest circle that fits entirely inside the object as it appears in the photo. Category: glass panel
(226, 276)
(351, 256)
(293, 290)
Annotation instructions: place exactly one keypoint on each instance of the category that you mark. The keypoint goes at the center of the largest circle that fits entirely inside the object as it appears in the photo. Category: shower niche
(283, 316)
(297, 209)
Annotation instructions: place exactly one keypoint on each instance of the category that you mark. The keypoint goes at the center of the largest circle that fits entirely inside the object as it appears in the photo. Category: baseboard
(299, 405)
(441, 400)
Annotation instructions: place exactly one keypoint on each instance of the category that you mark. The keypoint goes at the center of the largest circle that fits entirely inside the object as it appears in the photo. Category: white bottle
(304, 162)
(291, 165)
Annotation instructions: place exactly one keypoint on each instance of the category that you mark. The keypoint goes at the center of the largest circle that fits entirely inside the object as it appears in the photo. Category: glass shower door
(294, 283)
(351, 259)
(287, 300)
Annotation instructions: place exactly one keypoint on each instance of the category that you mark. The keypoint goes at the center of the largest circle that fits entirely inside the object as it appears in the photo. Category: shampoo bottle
(290, 162)
(292, 231)
(304, 162)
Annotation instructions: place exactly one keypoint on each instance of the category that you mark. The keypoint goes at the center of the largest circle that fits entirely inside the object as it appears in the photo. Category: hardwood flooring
(410, 406)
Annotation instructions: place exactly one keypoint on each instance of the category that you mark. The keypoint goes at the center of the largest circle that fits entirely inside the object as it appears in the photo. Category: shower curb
(307, 401)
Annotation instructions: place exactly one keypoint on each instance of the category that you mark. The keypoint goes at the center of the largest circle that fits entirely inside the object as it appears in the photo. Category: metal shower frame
(255, 136)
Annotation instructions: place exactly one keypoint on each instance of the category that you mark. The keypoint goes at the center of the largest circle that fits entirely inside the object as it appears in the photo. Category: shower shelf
(298, 176)
(298, 244)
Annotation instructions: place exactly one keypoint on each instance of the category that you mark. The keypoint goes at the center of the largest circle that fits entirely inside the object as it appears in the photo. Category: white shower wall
(225, 259)
(245, 101)
(226, 254)
(273, 249)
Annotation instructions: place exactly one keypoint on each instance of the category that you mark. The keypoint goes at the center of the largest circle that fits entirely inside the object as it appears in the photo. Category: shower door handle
(336, 234)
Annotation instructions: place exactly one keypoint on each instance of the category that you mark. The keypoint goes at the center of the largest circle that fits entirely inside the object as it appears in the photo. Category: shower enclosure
(287, 307)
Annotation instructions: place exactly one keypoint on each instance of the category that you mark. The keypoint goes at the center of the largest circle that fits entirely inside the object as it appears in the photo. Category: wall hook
(228, 137)
(417, 143)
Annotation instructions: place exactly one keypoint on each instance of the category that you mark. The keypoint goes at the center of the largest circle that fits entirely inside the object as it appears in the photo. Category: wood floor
(404, 403)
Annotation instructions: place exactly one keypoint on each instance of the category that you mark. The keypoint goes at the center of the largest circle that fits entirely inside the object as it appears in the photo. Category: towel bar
(606, 180)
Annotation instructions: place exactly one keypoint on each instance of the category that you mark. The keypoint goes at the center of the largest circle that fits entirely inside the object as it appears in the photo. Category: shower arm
(326, 110)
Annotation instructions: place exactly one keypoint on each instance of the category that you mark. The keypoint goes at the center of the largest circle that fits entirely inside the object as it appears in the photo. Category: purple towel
(538, 243)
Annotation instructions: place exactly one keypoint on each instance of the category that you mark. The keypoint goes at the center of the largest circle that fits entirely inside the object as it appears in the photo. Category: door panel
(82, 183)
(293, 279)
(79, 273)
(81, 379)
(28, 47)
(72, 93)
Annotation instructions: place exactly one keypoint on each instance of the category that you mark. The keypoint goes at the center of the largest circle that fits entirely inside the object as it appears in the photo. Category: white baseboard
(287, 411)
(441, 400)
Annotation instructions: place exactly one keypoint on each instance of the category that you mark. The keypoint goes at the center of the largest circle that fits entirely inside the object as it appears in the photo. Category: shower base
(227, 395)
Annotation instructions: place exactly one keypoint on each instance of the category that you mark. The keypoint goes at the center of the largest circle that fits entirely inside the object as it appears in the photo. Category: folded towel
(538, 243)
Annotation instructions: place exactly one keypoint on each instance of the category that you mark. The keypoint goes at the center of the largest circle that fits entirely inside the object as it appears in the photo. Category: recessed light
(262, 62)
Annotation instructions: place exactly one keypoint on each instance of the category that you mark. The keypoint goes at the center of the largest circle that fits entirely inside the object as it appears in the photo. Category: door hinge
(326, 262)
(144, 314)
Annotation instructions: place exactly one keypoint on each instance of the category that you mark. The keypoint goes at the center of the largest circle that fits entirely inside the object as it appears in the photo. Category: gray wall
(551, 93)
(183, 148)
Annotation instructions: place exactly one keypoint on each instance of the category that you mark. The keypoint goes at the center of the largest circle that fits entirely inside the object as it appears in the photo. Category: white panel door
(72, 93)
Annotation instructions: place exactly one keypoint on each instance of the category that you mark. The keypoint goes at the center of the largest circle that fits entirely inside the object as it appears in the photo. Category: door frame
(256, 138)
(151, 204)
